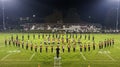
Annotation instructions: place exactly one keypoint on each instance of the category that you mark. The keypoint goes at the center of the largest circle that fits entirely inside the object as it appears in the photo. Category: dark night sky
(97, 9)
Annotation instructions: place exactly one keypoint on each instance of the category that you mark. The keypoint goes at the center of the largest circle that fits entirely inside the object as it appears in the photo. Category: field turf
(11, 56)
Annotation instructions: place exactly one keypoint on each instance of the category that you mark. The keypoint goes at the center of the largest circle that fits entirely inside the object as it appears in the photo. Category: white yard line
(118, 48)
(1, 46)
(32, 56)
(99, 60)
(118, 41)
(106, 53)
(83, 56)
(110, 57)
(17, 60)
(5, 57)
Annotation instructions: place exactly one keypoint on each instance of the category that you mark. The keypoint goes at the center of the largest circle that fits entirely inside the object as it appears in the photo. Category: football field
(12, 56)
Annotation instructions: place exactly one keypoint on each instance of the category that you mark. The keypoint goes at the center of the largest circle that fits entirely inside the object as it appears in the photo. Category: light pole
(3, 11)
(117, 20)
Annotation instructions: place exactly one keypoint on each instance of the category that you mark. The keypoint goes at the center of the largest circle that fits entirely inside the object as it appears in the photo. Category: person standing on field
(28, 36)
(63, 48)
(46, 49)
(88, 46)
(93, 45)
(57, 51)
(80, 47)
(33, 36)
(69, 48)
(9, 42)
(5, 42)
(22, 37)
(35, 48)
(11, 37)
(31, 46)
(16, 37)
(85, 47)
(22, 44)
(74, 47)
(40, 48)
(27, 46)
(52, 48)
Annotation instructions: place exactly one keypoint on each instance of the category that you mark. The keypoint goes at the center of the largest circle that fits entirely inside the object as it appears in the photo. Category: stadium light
(3, 11)
(117, 20)
(117, 3)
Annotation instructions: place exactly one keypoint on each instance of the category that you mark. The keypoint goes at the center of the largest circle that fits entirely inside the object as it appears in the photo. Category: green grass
(106, 57)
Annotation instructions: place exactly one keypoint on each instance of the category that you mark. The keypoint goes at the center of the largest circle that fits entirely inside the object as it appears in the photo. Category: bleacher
(69, 27)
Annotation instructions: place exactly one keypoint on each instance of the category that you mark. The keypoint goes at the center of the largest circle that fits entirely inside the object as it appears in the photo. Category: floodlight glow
(5, 0)
(113, 0)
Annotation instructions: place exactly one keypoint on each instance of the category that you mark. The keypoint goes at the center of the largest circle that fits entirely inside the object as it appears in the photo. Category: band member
(69, 48)
(12, 38)
(49, 35)
(113, 42)
(73, 41)
(89, 37)
(66, 35)
(18, 43)
(80, 36)
(53, 41)
(22, 44)
(85, 36)
(88, 46)
(46, 49)
(99, 45)
(27, 46)
(14, 43)
(57, 51)
(62, 40)
(5, 42)
(31, 46)
(52, 49)
(63, 48)
(81, 48)
(16, 37)
(45, 35)
(76, 36)
(85, 47)
(56, 35)
(38, 36)
(93, 45)
(67, 40)
(40, 48)
(42, 35)
(48, 40)
(53, 36)
(110, 42)
(105, 43)
(35, 48)
(45, 42)
(58, 41)
(72, 35)
(22, 37)
(93, 38)
(33, 36)
(74, 47)
(28, 36)
(79, 41)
